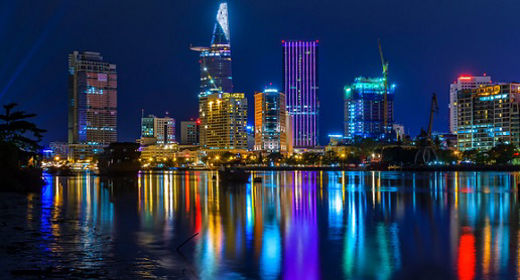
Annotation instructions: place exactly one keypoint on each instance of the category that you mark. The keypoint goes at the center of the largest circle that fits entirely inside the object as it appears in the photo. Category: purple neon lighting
(300, 73)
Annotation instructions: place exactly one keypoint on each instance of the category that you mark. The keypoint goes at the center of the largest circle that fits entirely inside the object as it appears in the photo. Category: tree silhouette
(15, 129)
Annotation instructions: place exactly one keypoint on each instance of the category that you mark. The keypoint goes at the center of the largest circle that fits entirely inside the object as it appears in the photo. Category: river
(292, 225)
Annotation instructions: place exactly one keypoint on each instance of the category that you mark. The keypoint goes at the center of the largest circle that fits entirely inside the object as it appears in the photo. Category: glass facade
(270, 121)
(364, 108)
(300, 80)
(215, 61)
(92, 116)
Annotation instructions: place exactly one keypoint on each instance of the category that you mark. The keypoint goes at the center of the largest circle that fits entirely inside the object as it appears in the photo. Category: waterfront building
(223, 118)
(190, 132)
(158, 152)
(270, 122)
(156, 130)
(92, 93)
(488, 115)
(463, 82)
(300, 80)
(215, 60)
(364, 108)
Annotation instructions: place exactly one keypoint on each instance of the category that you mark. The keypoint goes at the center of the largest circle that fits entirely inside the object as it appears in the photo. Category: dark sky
(428, 43)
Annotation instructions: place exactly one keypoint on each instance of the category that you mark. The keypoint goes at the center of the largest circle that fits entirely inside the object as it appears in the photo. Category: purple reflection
(301, 259)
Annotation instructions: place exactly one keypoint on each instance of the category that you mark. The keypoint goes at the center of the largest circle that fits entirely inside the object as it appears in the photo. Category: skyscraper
(215, 61)
(270, 121)
(488, 115)
(223, 121)
(364, 108)
(463, 82)
(300, 80)
(92, 116)
(157, 130)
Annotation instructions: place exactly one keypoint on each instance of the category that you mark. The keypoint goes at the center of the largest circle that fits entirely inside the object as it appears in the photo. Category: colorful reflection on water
(293, 225)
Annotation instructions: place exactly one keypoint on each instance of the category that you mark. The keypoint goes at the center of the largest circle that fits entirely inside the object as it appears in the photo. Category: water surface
(293, 225)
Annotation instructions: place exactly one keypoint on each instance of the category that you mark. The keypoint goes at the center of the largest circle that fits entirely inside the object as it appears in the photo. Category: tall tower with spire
(222, 112)
(215, 60)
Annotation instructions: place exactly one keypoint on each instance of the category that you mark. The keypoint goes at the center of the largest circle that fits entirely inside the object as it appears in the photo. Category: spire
(221, 30)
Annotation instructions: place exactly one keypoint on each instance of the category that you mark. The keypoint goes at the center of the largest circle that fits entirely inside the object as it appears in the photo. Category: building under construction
(365, 110)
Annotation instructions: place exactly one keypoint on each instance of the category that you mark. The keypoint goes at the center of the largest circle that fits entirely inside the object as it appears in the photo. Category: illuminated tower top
(221, 29)
(215, 60)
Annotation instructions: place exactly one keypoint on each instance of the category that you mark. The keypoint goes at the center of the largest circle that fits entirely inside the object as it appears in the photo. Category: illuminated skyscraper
(300, 80)
(488, 115)
(215, 61)
(364, 108)
(223, 119)
(92, 116)
(270, 122)
(463, 82)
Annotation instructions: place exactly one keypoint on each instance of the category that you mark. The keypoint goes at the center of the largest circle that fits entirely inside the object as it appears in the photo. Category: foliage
(19, 146)
(501, 153)
(17, 130)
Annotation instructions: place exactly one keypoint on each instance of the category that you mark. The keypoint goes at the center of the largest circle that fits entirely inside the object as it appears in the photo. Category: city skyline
(31, 57)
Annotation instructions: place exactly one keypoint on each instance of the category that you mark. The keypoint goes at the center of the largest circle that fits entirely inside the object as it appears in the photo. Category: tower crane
(425, 149)
(384, 64)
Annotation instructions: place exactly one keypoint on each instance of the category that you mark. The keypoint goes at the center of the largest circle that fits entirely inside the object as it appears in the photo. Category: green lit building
(364, 109)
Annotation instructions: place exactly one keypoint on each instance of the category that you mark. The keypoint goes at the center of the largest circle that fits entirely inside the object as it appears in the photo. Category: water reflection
(294, 225)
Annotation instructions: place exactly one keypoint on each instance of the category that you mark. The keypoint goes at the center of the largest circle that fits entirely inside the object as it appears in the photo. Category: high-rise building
(156, 130)
(488, 115)
(364, 108)
(463, 82)
(190, 132)
(300, 80)
(92, 116)
(215, 61)
(223, 118)
(270, 121)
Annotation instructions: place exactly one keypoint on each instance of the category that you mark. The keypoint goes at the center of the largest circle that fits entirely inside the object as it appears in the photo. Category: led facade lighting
(364, 108)
(300, 81)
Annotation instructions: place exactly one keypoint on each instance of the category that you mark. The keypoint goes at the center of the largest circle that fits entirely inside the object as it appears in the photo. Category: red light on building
(466, 78)
(197, 121)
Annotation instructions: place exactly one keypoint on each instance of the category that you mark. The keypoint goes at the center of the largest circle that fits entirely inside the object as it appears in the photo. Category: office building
(270, 122)
(190, 132)
(92, 112)
(463, 82)
(488, 115)
(215, 61)
(364, 109)
(223, 121)
(156, 130)
(300, 80)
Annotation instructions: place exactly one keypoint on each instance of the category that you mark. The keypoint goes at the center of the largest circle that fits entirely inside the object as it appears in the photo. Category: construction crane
(384, 64)
(425, 149)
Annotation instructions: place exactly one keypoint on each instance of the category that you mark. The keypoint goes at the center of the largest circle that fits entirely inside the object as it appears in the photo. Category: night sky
(428, 44)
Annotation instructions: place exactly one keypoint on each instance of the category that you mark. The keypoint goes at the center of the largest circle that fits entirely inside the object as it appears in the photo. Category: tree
(501, 153)
(19, 143)
(17, 130)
